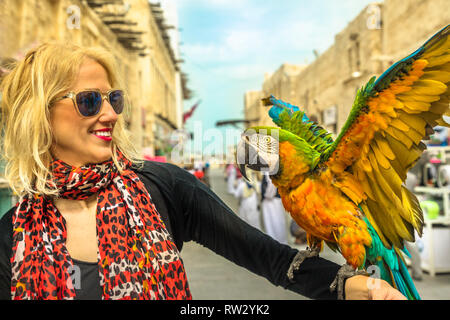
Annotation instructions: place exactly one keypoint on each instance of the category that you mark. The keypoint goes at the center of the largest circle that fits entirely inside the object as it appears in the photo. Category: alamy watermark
(74, 280)
(259, 149)
(374, 20)
(374, 280)
(73, 21)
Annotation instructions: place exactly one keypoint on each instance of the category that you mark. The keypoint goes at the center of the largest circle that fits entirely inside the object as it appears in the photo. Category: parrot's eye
(263, 140)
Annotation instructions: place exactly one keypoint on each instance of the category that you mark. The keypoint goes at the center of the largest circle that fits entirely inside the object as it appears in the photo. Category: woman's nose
(107, 113)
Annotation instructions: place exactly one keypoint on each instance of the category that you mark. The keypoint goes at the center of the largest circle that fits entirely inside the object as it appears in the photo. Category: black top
(192, 212)
(86, 280)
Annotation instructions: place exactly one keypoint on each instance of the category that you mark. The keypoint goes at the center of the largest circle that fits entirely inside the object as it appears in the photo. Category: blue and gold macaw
(350, 192)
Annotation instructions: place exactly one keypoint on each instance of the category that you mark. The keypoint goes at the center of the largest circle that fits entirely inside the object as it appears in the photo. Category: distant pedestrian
(416, 261)
(274, 215)
(231, 174)
(206, 174)
(198, 173)
(298, 233)
(248, 203)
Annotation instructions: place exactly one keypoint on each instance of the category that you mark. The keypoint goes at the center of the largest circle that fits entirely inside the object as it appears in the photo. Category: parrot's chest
(318, 207)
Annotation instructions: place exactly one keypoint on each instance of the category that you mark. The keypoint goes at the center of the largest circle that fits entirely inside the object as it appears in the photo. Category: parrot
(349, 192)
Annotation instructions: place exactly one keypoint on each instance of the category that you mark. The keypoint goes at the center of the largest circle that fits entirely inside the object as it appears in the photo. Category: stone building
(381, 34)
(409, 24)
(162, 97)
(135, 31)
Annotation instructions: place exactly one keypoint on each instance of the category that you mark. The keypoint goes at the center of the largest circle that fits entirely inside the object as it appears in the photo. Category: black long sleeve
(5, 254)
(207, 220)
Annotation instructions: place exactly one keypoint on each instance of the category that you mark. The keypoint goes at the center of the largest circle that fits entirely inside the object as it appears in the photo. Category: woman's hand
(366, 288)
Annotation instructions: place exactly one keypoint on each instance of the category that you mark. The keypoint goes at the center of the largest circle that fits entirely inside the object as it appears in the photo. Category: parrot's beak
(247, 157)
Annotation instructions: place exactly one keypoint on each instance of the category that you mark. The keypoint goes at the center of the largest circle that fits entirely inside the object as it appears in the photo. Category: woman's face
(76, 141)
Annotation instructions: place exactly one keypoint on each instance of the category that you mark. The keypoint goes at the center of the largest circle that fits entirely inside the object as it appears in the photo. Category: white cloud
(240, 72)
(243, 42)
(234, 46)
(305, 35)
(199, 52)
(222, 4)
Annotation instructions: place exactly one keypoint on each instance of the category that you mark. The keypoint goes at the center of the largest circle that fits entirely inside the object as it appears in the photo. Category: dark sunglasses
(89, 102)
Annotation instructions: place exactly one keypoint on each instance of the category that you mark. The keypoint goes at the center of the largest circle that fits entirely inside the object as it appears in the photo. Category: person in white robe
(273, 212)
(248, 203)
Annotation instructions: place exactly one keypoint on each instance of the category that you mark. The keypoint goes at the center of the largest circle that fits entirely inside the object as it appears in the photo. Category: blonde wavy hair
(28, 91)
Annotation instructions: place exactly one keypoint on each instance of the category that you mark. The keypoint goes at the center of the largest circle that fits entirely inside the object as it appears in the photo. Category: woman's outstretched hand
(366, 288)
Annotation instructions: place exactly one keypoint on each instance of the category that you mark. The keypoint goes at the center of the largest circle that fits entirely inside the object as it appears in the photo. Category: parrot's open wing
(382, 137)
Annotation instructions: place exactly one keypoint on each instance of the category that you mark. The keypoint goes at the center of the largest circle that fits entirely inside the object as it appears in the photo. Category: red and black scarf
(137, 258)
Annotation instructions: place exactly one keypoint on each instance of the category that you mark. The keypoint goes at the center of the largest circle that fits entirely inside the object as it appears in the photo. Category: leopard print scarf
(137, 258)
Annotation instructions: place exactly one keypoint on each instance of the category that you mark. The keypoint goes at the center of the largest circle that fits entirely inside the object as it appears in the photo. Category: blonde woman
(90, 208)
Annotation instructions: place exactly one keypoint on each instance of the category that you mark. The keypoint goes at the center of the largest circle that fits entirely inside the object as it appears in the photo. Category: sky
(229, 45)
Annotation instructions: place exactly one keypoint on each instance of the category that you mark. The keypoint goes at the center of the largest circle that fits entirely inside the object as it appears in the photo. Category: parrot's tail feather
(411, 292)
(400, 284)
(391, 265)
(398, 277)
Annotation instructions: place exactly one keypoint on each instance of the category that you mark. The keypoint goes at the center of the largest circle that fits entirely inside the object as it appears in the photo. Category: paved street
(212, 277)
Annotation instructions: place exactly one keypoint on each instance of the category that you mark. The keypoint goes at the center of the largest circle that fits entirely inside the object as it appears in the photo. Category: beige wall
(150, 80)
(157, 103)
(409, 24)
(280, 84)
(160, 99)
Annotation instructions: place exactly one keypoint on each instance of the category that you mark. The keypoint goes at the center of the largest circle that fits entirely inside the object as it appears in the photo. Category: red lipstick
(106, 137)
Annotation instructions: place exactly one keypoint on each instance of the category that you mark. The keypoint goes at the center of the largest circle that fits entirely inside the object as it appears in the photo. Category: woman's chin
(101, 159)
(94, 160)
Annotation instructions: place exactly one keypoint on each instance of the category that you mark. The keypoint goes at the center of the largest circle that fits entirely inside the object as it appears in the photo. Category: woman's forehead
(92, 75)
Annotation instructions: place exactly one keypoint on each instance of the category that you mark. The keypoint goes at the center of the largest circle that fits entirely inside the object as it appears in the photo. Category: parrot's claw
(345, 272)
(299, 258)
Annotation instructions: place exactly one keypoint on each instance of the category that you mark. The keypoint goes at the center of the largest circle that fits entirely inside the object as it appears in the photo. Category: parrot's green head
(274, 150)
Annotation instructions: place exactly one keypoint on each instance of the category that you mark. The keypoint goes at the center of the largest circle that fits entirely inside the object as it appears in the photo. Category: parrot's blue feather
(400, 284)
(279, 106)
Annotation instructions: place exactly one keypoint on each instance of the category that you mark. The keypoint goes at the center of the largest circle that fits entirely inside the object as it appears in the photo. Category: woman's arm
(211, 223)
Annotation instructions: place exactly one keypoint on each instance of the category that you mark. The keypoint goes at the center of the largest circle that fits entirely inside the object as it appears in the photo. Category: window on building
(306, 100)
(350, 59)
(357, 56)
(354, 56)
